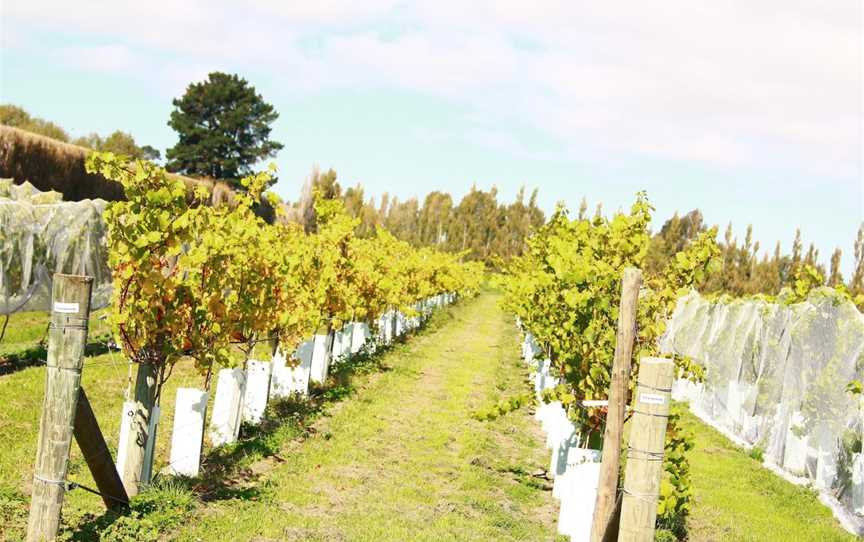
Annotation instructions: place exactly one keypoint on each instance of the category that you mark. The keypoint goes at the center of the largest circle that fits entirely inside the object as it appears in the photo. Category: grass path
(736, 498)
(400, 458)
(403, 459)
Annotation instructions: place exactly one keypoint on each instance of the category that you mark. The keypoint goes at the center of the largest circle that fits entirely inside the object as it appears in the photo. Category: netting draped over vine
(776, 377)
(40, 235)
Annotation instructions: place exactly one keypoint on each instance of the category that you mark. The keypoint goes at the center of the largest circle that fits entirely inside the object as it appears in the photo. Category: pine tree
(223, 127)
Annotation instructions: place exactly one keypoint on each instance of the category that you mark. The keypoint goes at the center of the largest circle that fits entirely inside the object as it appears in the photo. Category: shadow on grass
(36, 354)
(233, 471)
(161, 507)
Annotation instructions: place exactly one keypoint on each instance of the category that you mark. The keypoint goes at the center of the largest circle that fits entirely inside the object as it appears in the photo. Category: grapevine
(565, 290)
(209, 282)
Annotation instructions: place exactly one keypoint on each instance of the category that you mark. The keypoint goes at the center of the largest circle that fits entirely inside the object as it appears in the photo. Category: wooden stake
(136, 446)
(645, 453)
(67, 337)
(607, 486)
(92, 443)
(611, 531)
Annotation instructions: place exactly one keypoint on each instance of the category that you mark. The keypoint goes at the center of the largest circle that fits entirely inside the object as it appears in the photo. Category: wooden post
(136, 445)
(98, 456)
(67, 337)
(607, 486)
(611, 531)
(645, 453)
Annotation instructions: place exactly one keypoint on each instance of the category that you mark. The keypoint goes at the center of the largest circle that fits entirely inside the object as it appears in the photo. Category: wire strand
(49, 481)
(650, 498)
(650, 414)
(75, 485)
(663, 390)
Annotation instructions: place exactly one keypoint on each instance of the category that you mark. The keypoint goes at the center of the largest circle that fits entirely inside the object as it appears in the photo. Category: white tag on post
(68, 308)
(651, 399)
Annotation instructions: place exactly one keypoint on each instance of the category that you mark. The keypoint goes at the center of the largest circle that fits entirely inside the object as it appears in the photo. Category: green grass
(403, 459)
(391, 450)
(388, 451)
(736, 498)
(26, 329)
(21, 394)
(23, 343)
(23, 330)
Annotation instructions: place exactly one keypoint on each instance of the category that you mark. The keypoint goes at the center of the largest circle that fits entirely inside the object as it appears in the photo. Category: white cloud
(731, 83)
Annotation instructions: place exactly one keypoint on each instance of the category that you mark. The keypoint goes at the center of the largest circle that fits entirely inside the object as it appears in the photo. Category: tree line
(744, 271)
(118, 142)
(224, 130)
(223, 127)
(478, 225)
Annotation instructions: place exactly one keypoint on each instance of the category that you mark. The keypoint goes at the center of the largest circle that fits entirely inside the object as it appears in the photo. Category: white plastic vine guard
(225, 423)
(257, 391)
(188, 432)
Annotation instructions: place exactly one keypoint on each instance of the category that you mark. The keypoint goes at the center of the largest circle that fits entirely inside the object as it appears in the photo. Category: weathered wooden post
(132, 453)
(611, 531)
(67, 337)
(607, 486)
(645, 452)
(98, 456)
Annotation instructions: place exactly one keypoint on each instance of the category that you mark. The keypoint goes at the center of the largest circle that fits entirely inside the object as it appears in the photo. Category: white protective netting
(41, 235)
(776, 378)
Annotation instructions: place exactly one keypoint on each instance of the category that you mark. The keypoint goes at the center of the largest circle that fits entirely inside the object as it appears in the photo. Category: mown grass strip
(404, 459)
(736, 498)
(237, 476)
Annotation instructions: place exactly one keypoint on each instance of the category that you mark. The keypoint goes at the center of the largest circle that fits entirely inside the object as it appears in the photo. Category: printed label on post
(70, 308)
(651, 399)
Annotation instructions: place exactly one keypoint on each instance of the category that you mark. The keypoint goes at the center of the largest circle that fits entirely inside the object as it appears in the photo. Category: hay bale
(52, 165)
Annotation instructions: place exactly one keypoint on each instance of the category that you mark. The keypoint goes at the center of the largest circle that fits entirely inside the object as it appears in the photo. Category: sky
(749, 111)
